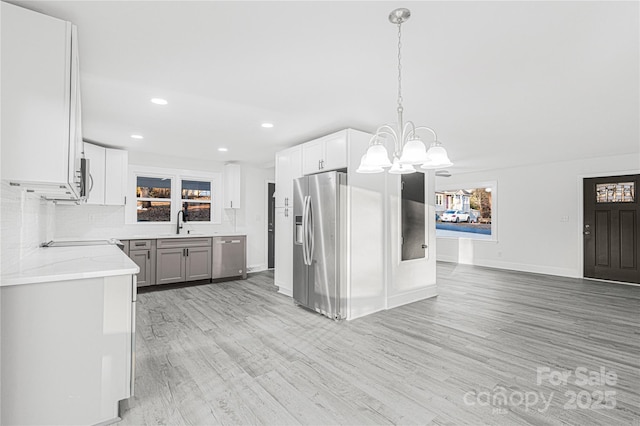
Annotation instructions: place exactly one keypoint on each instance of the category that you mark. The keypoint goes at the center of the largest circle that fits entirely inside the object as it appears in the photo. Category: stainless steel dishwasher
(229, 257)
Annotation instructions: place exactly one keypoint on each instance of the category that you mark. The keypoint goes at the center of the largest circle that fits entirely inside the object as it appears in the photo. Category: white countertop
(185, 235)
(69, 263)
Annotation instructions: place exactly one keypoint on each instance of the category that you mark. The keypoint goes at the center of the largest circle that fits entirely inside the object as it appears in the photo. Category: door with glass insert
(611, 241)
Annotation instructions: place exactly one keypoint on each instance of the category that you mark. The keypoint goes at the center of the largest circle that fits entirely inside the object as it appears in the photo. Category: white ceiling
(503, 83)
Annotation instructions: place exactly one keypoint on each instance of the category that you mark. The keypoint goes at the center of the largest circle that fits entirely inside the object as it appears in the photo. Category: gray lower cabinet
(170, 265)
(183, 259)
(143, 259)
(229, 257)
(143, 253)
(198, 263)
(176, 260)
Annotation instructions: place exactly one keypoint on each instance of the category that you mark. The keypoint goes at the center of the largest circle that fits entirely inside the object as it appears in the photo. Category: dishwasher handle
(229, 242)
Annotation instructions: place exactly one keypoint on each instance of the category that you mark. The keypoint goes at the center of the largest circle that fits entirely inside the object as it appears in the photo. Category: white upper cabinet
(96, 155)
(324, 154)
(232, 175)
(116, 169)
(41, 123)
(288, 168)
(108, 175)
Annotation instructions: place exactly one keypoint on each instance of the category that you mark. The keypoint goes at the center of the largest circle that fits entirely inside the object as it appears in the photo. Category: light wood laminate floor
(240, 353)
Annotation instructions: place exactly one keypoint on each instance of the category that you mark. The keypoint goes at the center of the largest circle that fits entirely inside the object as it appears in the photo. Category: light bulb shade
(377, 156)
(366, 168)
(401, 169)
(413, 152)
(437, 157)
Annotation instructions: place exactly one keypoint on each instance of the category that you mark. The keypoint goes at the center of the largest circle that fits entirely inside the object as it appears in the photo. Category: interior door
(611, 242)
(271, 222)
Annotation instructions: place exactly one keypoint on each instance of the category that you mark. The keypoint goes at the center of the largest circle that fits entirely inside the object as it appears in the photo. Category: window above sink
(158, 195)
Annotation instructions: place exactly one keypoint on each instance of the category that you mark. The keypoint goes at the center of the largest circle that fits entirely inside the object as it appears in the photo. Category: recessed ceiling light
(223, 149)
(159, 101)
(135, 136)
(267, 125)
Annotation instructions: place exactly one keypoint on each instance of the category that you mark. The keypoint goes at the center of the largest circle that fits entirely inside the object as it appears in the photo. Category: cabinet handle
(149, 254)
(187, 252)
(140, 244)
(319, 164)
(184, 252)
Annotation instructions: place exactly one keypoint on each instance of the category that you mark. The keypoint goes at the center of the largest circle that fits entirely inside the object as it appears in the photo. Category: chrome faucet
(178, 226)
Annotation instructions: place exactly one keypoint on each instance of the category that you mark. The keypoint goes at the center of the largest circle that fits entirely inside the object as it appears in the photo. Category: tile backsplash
(88, 221)
(26, 221)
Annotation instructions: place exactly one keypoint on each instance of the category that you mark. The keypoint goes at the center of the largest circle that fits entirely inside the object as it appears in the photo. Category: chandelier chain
(399, 66)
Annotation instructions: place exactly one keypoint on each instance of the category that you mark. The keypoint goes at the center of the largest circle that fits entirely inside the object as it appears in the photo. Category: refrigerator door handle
(311, 231)
(305, 233)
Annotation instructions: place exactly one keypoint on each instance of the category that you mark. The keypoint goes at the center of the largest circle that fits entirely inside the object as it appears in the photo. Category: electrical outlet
(564, 219)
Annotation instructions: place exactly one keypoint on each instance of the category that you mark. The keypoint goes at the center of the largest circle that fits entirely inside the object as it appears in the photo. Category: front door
(611, 241)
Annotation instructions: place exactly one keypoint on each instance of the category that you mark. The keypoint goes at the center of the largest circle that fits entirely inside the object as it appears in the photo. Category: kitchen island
(68, 335)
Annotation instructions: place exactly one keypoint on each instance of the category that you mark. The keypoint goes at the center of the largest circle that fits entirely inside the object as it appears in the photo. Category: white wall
(252, 217)
(367, 248)
(25, 222)
(532, 200)
(91, 221)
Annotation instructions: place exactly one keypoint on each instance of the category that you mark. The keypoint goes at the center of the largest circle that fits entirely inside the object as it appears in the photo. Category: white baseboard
(412, 296)
(536, 269)
(285, 291)
(358, 313)
(513, 266)
(257, 268)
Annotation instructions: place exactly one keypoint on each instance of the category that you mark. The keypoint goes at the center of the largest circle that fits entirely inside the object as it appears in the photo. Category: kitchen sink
(192, 234)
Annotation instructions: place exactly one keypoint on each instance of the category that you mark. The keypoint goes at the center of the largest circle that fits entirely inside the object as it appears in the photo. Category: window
(467, 211)
(196, 200)
(161, 193)
(153, 199)
(622, 192)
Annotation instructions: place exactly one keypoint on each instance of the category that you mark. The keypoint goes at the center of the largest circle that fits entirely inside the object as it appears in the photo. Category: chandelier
(409, 150)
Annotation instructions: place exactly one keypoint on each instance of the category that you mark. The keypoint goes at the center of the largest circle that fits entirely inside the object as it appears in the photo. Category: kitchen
(158, 166)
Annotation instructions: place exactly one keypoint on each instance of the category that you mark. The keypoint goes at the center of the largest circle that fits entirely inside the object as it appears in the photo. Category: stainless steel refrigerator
(319, 242)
